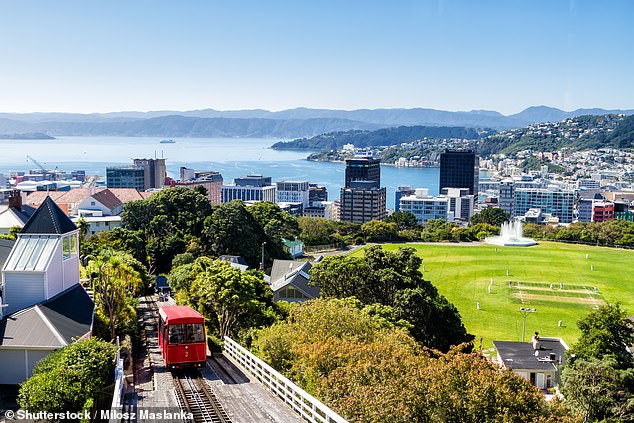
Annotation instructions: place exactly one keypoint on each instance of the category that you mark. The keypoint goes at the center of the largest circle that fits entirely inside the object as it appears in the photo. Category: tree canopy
(490, 215)
(368, 369)
(231, 300)
(394, 280)
(68, 379)
(598, 380)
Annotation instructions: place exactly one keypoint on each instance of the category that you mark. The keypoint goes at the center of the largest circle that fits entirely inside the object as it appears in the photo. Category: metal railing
(304, 404)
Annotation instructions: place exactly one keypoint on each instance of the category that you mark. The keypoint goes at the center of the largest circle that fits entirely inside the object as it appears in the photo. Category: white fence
(299, 400)
(117, 395)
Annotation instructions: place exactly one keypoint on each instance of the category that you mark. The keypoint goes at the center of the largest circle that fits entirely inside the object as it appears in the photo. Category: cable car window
(186, 333)
(176, 334)
(195, 332)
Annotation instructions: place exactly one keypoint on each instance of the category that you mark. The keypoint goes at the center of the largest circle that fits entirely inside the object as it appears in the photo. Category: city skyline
(448, 55)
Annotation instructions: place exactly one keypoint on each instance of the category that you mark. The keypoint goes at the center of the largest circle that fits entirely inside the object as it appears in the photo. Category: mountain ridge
(291, 123)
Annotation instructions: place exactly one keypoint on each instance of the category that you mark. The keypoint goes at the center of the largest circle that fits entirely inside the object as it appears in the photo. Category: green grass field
(463, 274)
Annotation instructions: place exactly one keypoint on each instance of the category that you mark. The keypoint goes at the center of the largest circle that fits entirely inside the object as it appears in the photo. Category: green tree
(368, 369)
(114, 282)
(435, 322)
(404, 220)
(275, 222)
(394, 279)
(490, 215)
(231, 229)
(605, 332)
(136, 215)
(377, 230)
(83, 229)
(595, 389)
(69, 378)
(227, 296)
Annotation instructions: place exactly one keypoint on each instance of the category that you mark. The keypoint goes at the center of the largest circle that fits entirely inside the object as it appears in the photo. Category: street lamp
(262, 262)
(525, 311)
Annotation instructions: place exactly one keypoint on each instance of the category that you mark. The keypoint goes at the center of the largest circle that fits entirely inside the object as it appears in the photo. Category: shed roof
(521, 355)
(54, 323)
(5, 249)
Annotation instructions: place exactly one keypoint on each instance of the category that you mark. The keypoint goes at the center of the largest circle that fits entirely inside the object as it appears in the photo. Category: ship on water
(168, 141)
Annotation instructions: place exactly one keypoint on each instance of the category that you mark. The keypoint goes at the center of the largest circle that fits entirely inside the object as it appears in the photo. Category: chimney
(535, 340)
(15, 199)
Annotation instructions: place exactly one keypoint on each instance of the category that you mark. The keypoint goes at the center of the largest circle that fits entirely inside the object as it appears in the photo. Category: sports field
(556, 279)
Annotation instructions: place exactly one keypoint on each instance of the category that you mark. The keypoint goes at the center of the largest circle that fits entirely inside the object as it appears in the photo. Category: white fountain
(510, 236)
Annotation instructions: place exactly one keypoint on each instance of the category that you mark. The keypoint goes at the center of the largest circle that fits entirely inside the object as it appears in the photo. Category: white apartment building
(424, 206)
(293, 192)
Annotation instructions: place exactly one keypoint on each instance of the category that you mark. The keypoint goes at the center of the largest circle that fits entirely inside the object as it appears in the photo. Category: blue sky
(99, 56)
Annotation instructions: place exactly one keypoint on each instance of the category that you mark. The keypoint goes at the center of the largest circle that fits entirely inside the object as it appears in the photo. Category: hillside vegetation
(580, 133)
(381, 137)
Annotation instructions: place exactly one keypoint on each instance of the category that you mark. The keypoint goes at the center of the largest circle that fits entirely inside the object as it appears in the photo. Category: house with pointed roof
(42, 305)
(290, 281)
(15, 214)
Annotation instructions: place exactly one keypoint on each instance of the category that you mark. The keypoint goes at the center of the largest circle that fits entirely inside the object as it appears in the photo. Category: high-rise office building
(363, 169)
(316, 194)
(461, 204)
(125, 177)
(555, 202)
(459, 169)
(154, 172)
(362, 199)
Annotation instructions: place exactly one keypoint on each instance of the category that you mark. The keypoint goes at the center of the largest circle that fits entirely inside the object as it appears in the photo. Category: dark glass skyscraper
(459, 169)
(363, 169)
(362, 199)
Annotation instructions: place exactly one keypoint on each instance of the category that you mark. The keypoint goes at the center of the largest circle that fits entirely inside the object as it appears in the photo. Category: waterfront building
(424, 206)
(250, 188)
(293, 192)
(403, 191)
(459, 169)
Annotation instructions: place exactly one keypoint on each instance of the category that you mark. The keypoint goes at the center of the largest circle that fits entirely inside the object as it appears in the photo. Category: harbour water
(232, 157)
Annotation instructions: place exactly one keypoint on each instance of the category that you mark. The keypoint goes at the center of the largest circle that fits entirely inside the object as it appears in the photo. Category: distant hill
(578, 133)
(27, 136)
(380, 137)
(182, 126)
(291, 123)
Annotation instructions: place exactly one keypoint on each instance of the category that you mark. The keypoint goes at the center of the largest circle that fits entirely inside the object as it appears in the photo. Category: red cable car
(182, 337)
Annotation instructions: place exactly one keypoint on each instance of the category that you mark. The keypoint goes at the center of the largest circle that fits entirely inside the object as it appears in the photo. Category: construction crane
(44, 170)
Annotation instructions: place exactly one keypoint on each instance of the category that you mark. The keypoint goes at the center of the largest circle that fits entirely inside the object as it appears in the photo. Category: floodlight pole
(525, 311)
(262, 262)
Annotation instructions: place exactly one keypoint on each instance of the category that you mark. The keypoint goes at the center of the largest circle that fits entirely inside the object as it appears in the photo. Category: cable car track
(195, 397)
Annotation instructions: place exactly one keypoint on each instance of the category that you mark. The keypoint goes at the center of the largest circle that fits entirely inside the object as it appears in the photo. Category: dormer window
(69, 246)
